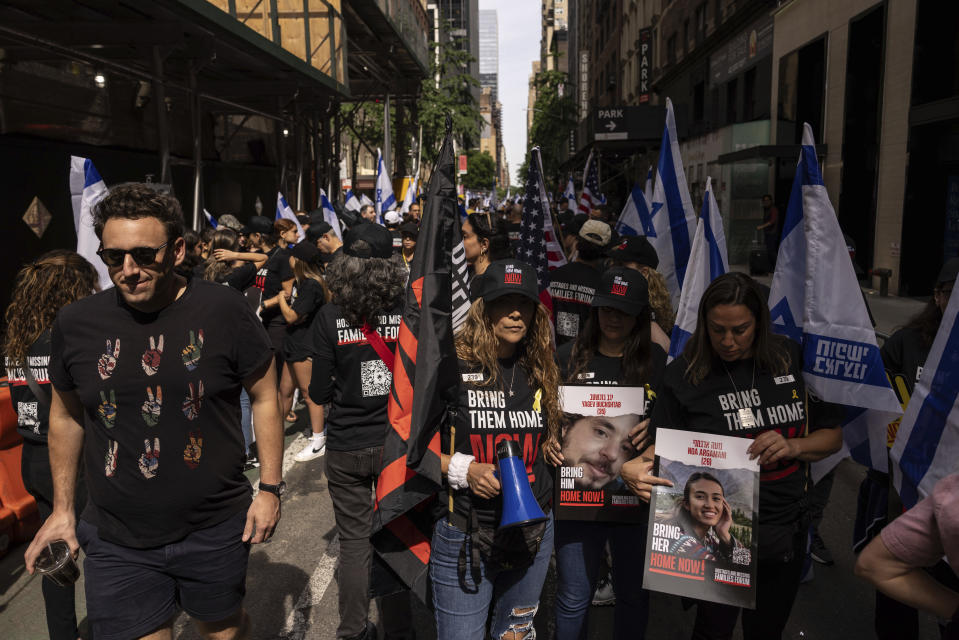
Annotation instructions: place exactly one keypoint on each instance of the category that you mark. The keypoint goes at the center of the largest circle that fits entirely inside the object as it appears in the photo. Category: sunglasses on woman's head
(143, 256)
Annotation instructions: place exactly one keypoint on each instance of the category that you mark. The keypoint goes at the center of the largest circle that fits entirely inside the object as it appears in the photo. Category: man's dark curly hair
(365, 288)
(135, 200)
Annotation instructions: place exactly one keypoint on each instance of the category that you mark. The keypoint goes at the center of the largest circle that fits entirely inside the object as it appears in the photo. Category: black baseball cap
(949, 271)
(259, 224)
(316, 217)
(410, 228)
(306, 251)
(623, 289)
(302, 218)
(504, 277)
(635, 249)
(378, 241)
(318, 229)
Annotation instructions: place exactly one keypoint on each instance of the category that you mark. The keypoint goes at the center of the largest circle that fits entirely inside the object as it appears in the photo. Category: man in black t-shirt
(146, 387)
(573, 285)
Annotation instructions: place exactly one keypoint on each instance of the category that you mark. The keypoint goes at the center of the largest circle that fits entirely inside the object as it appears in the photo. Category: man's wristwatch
(276, 489)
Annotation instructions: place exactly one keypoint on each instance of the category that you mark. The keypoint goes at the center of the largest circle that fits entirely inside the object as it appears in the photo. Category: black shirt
(270, 278)
(349, 374)
(608, 370)
(308, 297)
(163, 447)
(572, 288)
(904, 354)
(777, 403)
(486, 415)
(241, 278)
(32, 421)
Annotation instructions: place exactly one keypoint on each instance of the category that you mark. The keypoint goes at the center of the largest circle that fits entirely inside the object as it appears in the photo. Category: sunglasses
(143, 256)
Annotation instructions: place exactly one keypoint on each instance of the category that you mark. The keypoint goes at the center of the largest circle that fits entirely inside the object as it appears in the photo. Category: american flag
(538, 245)
(590, 198)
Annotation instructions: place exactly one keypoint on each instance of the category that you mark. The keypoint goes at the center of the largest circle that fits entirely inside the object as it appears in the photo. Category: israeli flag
(927, 443)
(674, 219)
(648, 189)
(635, 219)
(329, 214)
(385, 201)
(283, 210)
(570, 195)
(408, 199)
(815, 300)
(707, 261)
(210, 219)
(364, 200)
(352, 202)
(86, 189)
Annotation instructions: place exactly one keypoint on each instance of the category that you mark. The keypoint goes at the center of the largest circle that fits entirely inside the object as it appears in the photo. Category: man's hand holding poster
(596, 441)
(701, 540)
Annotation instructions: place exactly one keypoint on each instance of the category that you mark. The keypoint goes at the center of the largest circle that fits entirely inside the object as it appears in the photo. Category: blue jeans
(514, 594)
(579, 550)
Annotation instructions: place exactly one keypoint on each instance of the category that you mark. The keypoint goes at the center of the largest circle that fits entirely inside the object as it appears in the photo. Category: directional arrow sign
(610, 125)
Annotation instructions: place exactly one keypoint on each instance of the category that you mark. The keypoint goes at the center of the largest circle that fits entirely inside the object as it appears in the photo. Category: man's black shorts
(132, 592)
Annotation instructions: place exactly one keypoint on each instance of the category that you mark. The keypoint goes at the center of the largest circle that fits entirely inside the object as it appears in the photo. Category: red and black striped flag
(425, 378)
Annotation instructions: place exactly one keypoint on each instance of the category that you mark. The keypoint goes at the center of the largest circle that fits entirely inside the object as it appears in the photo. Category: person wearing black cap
(508, 391)
(903, 354)
(614, 348)
(325, 238)
(309, 294)
(409, 231)
(573, 285)
(354, 337)
(637, 253)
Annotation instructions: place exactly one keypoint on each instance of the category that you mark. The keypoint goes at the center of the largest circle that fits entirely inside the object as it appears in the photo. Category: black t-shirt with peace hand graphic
(163, 447)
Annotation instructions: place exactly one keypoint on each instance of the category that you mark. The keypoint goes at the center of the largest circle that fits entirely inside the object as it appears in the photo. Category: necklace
(512, 379)
(747, 419)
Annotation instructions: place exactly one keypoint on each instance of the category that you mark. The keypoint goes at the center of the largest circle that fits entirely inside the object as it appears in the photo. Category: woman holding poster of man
(736, 378)
(614, 348)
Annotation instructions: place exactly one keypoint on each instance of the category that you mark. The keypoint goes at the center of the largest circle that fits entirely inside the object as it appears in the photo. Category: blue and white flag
(410, 196)
(635, 219)
(815, 300)
(927, 443)
(570, 195)
(364, 200)
(674, 219)
(385, 201)
(352, 203)
(283, 210)
(329, 214)
(648, 188)
(86, 189)
(210, 219)
(707, 261)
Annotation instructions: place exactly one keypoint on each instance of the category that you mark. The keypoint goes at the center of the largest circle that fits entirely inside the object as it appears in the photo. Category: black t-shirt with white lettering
(572, 288)
(270, 278)
(32, 421)
(349, 374)
(308, 297)
(904, 354)
(608, 370)
(163, 448)
(486, 415)
(777, 402)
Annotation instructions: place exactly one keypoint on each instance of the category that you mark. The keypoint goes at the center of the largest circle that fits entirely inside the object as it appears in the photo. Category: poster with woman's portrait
(595, 441)
(701, 540)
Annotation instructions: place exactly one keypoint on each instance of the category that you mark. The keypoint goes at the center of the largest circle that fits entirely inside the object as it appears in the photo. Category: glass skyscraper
(488, 51)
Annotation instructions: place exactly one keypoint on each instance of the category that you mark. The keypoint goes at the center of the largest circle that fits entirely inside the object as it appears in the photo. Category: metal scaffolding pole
(163, 128)
(197, 121)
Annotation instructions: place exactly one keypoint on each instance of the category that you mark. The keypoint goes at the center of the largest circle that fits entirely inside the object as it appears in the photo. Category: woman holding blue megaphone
(491, 551)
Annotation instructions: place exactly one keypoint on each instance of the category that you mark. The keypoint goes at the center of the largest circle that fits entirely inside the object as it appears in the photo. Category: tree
(554, 116)
(481, 171)
(454, 96)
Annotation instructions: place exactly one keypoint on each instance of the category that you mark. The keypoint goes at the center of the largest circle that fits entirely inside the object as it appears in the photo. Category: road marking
(312, 594)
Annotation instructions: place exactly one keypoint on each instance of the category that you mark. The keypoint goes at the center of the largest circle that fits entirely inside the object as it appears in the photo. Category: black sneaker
(819, 552)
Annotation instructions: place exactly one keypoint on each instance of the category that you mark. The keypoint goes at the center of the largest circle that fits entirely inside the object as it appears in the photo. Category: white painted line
(312, 594)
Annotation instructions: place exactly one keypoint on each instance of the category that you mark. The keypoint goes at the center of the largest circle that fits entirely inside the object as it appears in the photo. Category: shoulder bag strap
(43, 397)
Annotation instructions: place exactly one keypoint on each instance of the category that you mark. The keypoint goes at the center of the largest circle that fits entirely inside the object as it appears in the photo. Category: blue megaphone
(519, 504)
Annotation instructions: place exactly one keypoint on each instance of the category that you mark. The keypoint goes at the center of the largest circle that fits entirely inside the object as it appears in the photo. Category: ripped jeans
(514, 595)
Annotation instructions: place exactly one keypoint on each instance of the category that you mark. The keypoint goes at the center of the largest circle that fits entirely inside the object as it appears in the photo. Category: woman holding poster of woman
(736, 378)
(614, 348)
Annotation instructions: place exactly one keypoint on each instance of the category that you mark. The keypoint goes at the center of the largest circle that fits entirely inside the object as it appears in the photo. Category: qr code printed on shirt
(567, 324)
(27, 416)
(375, 378)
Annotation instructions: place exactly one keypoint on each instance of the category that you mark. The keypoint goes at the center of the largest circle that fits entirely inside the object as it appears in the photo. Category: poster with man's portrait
(595, 442)
(701, 539)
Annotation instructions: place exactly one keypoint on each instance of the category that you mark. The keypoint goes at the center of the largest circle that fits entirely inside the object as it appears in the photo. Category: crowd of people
(206, 340)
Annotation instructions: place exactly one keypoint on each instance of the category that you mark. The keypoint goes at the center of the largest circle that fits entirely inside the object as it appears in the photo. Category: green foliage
(554, 116)
(481, 171)
(743, 534)
(453, 96)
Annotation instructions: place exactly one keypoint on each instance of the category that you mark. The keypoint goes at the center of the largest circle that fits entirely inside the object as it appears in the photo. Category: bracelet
(456, 472)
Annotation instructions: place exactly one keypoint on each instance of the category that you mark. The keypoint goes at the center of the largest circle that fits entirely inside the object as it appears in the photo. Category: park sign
(633, 123)
(611, 123)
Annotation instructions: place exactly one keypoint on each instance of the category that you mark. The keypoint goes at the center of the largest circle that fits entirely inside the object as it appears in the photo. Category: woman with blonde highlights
(508, 392)
(42, 288)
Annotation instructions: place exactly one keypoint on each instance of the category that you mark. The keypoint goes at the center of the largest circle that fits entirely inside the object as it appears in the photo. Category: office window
(731, 101)
(686, 46)
(671, 49)
(700, 22)
(718, 14)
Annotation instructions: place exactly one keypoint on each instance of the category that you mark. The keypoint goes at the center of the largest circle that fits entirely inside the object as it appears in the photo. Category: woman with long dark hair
(508, 391)
(485, 240)
(42, 288)
(226, 264)
(736, 377)
(353, 339)
(614, 348)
